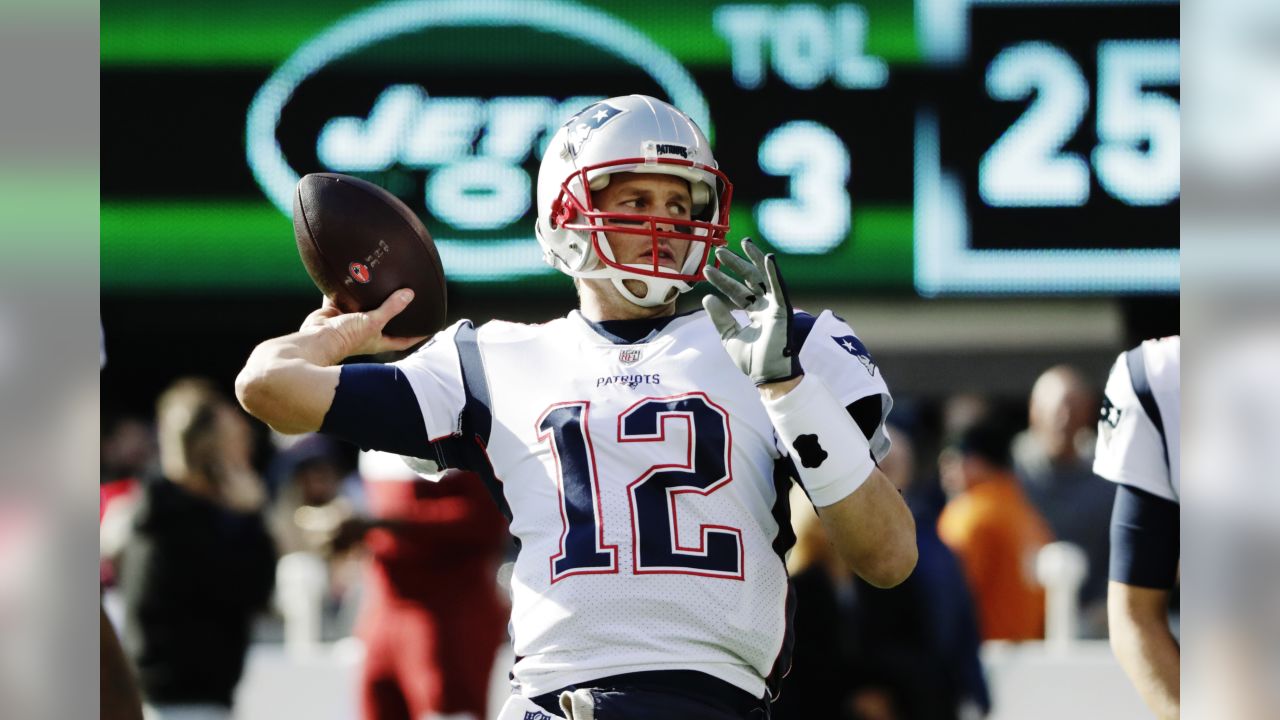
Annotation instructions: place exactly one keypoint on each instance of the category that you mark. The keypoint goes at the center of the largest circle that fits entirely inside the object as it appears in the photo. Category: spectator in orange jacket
(995, 531)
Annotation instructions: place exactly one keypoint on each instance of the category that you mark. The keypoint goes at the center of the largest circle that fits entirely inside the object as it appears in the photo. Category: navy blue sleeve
(374, 407)
(1144, 539)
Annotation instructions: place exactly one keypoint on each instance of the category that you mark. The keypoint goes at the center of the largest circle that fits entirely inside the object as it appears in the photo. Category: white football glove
(761, 349)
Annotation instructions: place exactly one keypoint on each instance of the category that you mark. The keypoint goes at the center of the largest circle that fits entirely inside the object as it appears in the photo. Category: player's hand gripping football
(360, 333)
(762, 348)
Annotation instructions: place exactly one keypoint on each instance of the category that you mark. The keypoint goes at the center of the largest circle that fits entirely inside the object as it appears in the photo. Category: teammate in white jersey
(643, 457)
(1138, 448)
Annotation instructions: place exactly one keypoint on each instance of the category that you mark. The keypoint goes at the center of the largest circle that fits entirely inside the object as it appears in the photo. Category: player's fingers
(742, 268)
(779, 285)
(753, 252)
(392, 306)
(320, 315)
(720, 315)
(776, 286)
(737, 293)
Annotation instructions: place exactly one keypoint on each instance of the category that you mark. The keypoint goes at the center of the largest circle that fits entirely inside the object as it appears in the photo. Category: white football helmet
(640, 134)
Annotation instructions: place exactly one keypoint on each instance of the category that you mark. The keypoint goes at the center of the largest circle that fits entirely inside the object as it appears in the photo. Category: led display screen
(942, 147)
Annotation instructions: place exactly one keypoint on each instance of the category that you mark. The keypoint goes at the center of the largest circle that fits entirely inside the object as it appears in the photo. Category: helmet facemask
(574, 211)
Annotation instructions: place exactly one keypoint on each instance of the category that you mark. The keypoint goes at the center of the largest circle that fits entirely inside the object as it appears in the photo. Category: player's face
(663, 196)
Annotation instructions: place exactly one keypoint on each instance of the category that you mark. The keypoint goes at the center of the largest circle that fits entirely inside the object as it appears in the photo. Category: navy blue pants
(664, 695)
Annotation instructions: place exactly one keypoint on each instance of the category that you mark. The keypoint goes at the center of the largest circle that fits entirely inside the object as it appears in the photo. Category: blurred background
(989, 192)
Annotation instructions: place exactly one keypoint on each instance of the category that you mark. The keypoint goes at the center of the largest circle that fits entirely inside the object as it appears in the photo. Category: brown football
(360, 243)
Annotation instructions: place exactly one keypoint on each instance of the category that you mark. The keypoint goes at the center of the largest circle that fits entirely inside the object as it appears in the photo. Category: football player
(1138, 448)
(643, 456)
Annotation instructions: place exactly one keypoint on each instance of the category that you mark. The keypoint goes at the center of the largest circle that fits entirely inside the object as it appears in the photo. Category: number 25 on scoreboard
(1138, 152)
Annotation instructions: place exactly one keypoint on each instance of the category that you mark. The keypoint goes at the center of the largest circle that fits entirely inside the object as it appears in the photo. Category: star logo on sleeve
(854, 347)
(587, 121)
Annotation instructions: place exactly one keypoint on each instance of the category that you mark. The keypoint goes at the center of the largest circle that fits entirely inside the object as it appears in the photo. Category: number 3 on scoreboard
(656, 547)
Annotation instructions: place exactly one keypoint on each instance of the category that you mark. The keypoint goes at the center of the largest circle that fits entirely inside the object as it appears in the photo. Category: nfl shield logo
(629, 356)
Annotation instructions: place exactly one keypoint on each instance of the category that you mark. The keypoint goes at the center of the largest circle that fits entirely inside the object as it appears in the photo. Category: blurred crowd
(214, 533)
(214, 530)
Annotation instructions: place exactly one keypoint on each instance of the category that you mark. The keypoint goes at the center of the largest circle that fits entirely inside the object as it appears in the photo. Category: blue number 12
(656, 545)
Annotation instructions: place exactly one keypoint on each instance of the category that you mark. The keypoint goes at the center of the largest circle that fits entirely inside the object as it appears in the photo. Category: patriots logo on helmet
(854, 347)
(654, 149)
(584, 123)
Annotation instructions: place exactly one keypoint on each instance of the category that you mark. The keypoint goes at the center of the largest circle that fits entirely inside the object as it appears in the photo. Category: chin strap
(659, 290)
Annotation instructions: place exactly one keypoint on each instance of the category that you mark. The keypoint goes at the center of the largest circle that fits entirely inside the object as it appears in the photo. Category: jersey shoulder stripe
(1146, 396)
(477, 416)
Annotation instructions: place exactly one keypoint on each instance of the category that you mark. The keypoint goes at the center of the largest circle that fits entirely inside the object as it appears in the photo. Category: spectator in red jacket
(433, 617)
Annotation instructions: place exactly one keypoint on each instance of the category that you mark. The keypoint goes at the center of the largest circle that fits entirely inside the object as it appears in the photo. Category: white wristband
(830, 453)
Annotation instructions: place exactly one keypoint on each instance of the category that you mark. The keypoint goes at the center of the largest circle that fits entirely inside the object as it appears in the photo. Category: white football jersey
(1140, 425)
(640, 480)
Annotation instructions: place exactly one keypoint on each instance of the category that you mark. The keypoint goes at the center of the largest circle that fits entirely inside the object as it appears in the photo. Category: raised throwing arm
(288, 382)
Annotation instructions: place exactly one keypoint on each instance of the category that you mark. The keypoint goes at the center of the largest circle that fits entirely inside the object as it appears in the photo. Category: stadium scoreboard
(943, 145)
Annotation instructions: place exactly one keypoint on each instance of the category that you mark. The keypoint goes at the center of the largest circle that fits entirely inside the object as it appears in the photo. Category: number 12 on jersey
(656, 547)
